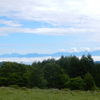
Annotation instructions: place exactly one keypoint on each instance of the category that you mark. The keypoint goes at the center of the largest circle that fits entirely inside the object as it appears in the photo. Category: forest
(68, 72)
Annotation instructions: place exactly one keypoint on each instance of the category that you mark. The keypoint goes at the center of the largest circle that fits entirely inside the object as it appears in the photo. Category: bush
(65, 89)
(76, 84)
(14, 86)
(24, 88)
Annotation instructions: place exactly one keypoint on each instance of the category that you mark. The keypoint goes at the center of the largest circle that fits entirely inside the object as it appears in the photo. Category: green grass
(7, 93)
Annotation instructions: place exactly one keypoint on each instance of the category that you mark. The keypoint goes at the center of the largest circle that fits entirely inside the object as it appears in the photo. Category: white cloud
(56, 12)
(62, 50)
(96, 58)
(10, 23)
(81, 16)
(45, 31)
(92, 8)
(31, 60)
(74, 49)
(27, 60)
(85, 48)
(96, 48)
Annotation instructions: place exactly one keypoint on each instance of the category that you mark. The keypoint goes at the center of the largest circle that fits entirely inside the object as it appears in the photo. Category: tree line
(67, 72)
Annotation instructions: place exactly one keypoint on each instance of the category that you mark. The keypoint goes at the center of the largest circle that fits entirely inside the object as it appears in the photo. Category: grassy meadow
(7, 93)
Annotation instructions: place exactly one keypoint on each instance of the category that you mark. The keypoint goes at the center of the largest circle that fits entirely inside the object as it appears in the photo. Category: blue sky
(41, 26)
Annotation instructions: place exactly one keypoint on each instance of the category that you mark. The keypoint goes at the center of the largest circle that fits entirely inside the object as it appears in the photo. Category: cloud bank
(76, 16)
(45, 31)
(36, 59)
(77, 21)
(27, 60)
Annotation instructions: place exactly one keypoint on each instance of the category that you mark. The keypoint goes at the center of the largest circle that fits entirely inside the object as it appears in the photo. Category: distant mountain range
(58, 54)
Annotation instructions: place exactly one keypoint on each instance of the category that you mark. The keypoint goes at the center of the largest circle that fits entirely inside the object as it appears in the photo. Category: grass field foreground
(7, 93)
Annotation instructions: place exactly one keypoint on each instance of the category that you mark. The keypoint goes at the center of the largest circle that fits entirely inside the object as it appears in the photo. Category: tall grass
(7, 93)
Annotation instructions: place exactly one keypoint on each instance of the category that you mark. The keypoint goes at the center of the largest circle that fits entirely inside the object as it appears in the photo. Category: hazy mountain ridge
(58, 54)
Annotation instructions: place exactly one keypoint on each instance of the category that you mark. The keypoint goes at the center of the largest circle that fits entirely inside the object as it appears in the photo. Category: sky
(49, 26)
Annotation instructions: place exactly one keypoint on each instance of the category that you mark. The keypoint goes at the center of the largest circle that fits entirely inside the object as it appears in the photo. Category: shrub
(24, 88)
(76, 84)
(65, 89)
(14, 86)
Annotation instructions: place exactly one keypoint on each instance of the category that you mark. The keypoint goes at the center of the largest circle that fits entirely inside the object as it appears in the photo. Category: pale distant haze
(49, 26)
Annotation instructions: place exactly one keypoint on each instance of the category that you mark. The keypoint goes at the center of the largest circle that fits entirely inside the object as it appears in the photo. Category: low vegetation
(9, 93)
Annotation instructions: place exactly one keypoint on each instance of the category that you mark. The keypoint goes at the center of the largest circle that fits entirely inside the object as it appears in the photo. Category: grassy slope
(38, 94)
